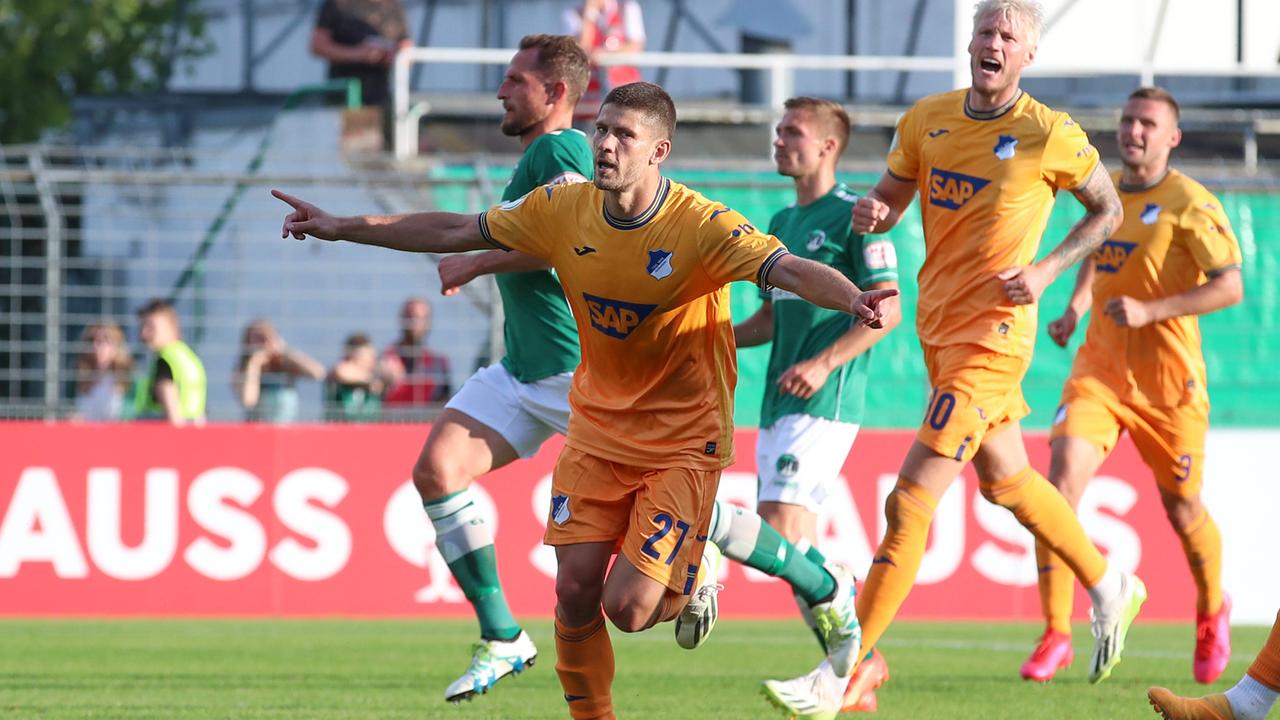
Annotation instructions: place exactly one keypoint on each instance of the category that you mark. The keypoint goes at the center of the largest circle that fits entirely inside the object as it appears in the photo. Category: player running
(1140, 369)
(816, 381)
(645, 263)
(987, 162)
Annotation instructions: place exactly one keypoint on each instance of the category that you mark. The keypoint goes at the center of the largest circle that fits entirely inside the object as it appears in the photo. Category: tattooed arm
(1103, 214)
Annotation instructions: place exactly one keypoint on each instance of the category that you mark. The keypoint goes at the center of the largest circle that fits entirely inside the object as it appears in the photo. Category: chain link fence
(89, 235)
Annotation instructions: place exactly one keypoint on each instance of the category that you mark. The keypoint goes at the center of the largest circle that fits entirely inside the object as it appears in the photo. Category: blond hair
(1029, 11)
(121, 365)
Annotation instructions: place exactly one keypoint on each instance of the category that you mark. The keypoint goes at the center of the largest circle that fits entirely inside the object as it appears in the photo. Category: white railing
(781, 69)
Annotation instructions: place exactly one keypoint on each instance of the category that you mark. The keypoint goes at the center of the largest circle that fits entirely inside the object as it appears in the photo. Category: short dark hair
(355, 341)
(561, 58)
(831, 113)
(1158, 94)
(650, 100)
(157, 305)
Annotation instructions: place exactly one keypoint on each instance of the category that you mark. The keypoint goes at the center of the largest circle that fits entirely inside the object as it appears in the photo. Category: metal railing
(781, 71)
(91, 234)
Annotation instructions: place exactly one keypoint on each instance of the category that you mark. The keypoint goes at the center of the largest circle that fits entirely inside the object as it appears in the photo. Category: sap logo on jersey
(616, 318)
(952, 190)
(1112, 255)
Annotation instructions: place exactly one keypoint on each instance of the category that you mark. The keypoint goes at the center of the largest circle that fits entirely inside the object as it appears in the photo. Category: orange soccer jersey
(986, 189)
(650, 297)
(1172, 236)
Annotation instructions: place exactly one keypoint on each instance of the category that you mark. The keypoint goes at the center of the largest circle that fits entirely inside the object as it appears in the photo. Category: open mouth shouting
(989, 67)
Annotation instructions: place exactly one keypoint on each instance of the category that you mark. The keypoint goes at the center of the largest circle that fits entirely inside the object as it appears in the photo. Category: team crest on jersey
(817, 239)
(1004, 146)
(616, 318)
(788, 465)
(1112, 255)
(1061, 416)
(560, 509)
(659, 264)
(1150, 214)
(951, 190)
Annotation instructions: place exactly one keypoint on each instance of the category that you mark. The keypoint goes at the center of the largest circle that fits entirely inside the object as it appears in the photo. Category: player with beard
(507, 410)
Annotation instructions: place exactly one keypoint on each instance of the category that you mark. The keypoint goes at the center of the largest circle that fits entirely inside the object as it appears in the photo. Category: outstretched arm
(1103, 214)
(458, 270)
(825, 287)
(437, 232)
(808, 376)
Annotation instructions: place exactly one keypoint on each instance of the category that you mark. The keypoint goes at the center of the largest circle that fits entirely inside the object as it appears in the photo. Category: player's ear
(661, 150)
(1176, 139)
(555, 91)
(1031, 56)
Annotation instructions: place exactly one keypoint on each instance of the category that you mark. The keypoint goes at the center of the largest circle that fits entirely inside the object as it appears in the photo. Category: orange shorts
(657, 519)
(1170, 439)
(975, 393)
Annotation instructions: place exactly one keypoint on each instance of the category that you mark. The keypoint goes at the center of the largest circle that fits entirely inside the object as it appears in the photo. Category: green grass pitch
(398, 669)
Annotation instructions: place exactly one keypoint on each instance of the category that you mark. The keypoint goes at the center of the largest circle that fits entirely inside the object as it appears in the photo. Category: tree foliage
(53, 50)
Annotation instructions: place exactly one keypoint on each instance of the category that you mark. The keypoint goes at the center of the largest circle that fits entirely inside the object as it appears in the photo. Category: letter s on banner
(248, 541)
(331, 536)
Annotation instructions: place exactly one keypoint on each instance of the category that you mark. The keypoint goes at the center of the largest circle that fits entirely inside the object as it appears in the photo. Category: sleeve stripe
(896, 176)
(1222, 270)
(762, 275)
(484, 232)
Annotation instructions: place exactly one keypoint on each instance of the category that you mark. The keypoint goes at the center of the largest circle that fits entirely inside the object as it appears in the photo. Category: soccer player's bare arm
(806, 377)
(1103, 214)
(412, 232)
(1061, 329)
(1223, 289)
(825, 287)
(458, 270)
(757, 329)
(879, 210)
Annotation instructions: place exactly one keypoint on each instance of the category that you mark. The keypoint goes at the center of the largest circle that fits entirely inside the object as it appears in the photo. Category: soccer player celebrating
(1250, 699)
(1140, 369)
(987, 162)
(644, 263)
(816, 382)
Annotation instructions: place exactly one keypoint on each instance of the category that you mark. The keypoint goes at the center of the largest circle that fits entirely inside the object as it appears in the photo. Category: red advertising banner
(320, 520)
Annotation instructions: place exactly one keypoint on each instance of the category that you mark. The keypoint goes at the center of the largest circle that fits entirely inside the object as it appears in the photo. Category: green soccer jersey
(541, 337)
(821, 231)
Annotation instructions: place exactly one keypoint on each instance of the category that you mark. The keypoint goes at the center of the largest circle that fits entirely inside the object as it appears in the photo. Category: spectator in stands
(355, 386)
(359, 38)
(103, 368)
(266, 377)
(418, 376)
(605, 27)
(174, 388)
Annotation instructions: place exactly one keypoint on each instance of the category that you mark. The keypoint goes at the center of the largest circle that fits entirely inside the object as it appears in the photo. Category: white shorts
(524, 414)
(798, 458)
